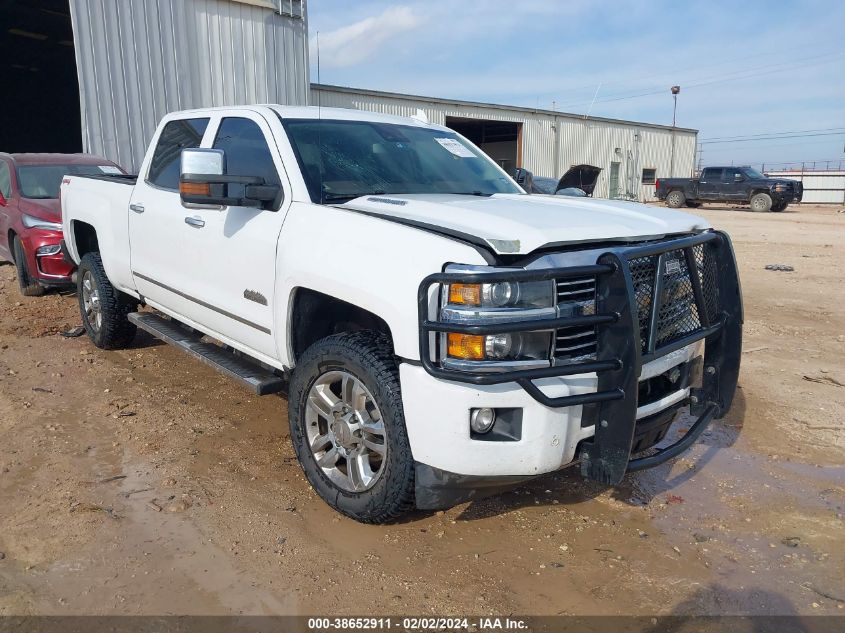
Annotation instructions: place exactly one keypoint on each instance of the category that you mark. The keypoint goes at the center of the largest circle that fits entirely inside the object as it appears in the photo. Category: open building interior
(501, 140)
(40, 105)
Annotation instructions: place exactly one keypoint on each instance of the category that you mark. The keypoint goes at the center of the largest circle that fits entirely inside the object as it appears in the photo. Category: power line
(711, 150)
(772, 138)
(724, 77)
(669, 73)
(720, 138)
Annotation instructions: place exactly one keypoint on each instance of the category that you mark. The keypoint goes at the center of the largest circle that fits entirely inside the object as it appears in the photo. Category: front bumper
(553, 398)
(49, 270)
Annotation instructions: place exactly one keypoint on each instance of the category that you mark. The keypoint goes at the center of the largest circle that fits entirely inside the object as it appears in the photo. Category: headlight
(498, 301)
(37, 223)
(500, 347)
(52, 249)
(503, 294)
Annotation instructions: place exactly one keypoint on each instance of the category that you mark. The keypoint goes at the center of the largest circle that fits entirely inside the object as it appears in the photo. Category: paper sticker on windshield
(110, 169)
(456, 147)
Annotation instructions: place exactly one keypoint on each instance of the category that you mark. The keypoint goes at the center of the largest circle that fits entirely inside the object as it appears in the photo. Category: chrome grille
(576, 289)
(575, 344)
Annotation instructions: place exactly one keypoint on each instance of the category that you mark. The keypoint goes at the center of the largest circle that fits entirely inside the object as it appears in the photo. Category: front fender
(372, 263)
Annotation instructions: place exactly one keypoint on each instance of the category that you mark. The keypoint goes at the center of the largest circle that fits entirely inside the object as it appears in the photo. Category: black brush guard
(620, 354)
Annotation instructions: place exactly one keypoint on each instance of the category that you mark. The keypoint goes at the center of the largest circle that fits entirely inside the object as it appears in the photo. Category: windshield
(753, 173)
(342, 160)
(43, 181)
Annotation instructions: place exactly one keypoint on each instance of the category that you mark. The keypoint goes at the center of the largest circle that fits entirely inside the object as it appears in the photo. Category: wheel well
(85, 238)
(316, 315)
(12, 235)
(756, 191)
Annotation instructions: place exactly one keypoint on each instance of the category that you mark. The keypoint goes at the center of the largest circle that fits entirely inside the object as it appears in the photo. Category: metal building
(821, 186)
(98, 75)
(631, 155)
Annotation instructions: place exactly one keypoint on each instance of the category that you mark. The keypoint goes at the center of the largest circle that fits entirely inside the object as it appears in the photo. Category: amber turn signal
(466, 346)
(465, 294)
(194, 188)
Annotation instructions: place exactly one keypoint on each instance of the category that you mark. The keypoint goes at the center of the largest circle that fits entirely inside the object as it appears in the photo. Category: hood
(49, 209)
(521, 223)
(582, 177)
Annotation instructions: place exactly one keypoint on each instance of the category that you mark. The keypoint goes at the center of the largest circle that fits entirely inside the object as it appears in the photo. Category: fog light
(53, 249)
(482, 420)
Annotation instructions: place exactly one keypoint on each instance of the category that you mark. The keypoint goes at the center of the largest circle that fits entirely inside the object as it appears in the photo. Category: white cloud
(352, 44)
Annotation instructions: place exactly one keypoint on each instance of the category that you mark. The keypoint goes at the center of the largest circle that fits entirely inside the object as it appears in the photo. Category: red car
(31, 215)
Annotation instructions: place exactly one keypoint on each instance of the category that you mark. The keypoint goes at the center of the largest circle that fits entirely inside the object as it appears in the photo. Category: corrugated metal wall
(140, 59)
(551, 142)
(820, 187)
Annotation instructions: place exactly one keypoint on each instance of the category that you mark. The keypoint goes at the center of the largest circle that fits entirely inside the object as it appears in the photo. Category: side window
(247, 153)
(5, 179)
(711, 174)
(649, 176)
(176, 136)
(731, 174)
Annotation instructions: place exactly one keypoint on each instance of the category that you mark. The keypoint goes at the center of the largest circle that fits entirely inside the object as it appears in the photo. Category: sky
(763, 82)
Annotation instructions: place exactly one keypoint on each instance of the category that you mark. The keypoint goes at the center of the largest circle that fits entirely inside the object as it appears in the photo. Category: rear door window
(176, 136)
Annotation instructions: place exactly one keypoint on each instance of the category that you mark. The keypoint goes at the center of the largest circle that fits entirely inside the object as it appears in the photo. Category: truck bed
(121, 179)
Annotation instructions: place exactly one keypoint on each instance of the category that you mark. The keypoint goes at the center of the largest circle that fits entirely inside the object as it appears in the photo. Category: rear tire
(29, 286)
(348, 427)
(675, 199)
(103, 307)
(761, 202)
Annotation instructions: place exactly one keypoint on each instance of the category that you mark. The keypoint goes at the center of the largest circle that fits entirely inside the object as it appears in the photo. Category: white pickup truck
(440, 333)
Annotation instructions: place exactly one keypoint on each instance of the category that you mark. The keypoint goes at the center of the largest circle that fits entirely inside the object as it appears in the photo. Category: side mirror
(738, 177)
(204, 181)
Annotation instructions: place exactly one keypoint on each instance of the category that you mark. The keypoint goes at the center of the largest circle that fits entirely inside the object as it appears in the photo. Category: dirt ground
(141, 482)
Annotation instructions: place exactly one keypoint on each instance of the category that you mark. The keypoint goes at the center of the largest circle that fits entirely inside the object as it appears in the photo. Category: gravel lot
(141, 482)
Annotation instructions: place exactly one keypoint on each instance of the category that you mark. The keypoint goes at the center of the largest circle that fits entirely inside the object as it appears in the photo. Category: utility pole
(675, 90)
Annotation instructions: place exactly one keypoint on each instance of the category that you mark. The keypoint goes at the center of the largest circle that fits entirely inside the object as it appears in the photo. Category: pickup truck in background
(737, 185)
(441, 335)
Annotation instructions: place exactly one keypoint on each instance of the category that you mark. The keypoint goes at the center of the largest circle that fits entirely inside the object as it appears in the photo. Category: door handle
(195, 222)
(137, 208)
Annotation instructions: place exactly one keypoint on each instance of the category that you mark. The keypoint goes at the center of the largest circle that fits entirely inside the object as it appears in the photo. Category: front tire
(675, 199)
(780, 206)
(103, 307)
(29, 286)
(348, 427)
(761, 202)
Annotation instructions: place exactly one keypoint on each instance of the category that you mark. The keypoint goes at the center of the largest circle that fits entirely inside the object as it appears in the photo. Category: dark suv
(31, 215)
(738, 185)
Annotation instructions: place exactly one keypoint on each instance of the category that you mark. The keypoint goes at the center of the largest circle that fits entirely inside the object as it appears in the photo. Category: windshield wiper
(480, 194)
(334, 197)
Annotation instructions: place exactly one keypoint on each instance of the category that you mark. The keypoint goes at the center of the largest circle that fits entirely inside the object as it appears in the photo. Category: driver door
(232, 254)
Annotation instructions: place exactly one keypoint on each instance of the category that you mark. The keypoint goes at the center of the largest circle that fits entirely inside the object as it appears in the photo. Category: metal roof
(497, 106)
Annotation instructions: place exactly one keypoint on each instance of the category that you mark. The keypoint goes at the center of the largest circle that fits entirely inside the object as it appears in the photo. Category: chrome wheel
(674, 199)
(91, 302)
(345, 431)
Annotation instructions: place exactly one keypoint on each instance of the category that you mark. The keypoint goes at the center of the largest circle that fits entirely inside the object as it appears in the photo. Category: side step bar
(258, 379)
